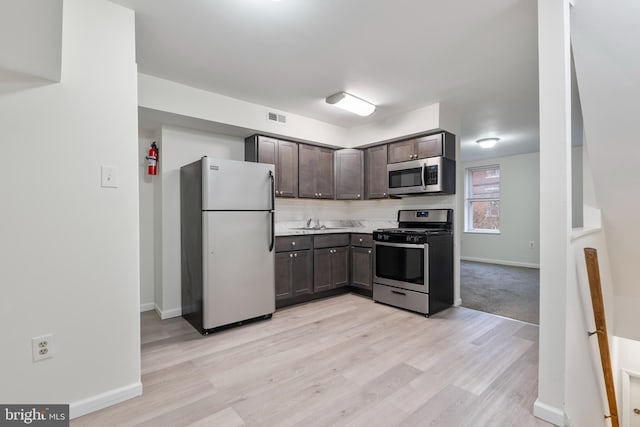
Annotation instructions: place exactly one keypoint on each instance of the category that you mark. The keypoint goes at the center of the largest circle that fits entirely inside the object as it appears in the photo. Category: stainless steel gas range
(413, 266)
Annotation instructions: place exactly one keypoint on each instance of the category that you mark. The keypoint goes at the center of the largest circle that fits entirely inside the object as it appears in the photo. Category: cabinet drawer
(330, 240)
(293, 243)
(409, 300)
(361, 239)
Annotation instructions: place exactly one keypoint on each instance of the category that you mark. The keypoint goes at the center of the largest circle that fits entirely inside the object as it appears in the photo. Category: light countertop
(292, 228)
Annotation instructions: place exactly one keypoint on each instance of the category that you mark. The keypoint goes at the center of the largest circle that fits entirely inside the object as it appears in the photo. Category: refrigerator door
(238, 282)
(233, 185)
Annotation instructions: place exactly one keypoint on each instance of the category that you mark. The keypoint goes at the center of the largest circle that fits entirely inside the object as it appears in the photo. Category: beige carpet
(512, 292)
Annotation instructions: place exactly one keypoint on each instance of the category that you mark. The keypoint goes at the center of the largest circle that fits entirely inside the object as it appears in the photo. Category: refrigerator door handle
(272, 212)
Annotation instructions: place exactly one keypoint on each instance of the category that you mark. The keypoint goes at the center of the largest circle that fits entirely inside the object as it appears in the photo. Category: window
(482, 209)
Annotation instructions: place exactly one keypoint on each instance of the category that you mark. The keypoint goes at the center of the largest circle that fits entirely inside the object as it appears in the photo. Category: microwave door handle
(424, 168)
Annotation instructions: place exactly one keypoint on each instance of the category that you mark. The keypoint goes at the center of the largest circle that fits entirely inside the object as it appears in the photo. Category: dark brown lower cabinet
(361, 267)
(330, 268)
(294, 274)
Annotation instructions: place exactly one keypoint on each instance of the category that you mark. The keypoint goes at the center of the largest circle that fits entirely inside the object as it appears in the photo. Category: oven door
(402, 265)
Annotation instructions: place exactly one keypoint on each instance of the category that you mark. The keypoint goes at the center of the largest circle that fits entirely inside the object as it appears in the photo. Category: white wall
(179, 147)
(408, 123)
(69, 249)
(147, 223)
(577, 187)
(585, 398)
(176, 98)
(30, 43)
(303, 209)
(607, 68)
(519, 214)
(556, 268)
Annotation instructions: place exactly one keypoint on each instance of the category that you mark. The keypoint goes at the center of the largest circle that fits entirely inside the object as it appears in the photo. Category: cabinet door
(283, 275)
(376, 177)
(349, 165)
(287, 169)
(324, 174)
(429, 146)
(307, 156)
(321, 269)
(267, 149)
(361, 267)
(340, 266)
(302, 273)
(402, 151)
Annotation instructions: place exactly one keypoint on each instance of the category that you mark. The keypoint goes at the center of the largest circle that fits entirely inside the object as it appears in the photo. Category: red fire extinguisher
(152, 159)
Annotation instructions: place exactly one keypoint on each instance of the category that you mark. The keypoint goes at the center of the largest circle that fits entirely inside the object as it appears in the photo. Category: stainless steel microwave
(433, 175)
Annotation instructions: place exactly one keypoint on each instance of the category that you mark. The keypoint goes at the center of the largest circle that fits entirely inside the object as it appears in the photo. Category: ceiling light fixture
(487, 142)
(348, 102)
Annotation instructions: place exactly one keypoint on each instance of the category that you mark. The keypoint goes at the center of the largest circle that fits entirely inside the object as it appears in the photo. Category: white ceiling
(480, 57)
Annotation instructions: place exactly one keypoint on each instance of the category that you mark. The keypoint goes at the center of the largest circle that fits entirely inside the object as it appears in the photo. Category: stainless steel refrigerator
(227, 240)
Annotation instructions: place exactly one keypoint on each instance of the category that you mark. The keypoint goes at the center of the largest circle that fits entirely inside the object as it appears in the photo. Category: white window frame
(468, 202)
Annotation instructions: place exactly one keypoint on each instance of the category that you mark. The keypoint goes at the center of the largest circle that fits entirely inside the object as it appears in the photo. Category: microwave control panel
(432, 175)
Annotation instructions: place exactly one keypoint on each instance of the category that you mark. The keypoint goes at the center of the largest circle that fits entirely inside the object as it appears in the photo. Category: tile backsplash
(325, 210)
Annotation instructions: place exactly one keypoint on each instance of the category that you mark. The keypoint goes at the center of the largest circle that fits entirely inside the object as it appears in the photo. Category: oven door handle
(424, 181)
(402, 245)
(398, 293)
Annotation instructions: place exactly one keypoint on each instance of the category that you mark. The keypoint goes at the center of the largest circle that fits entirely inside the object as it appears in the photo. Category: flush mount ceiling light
(348, 102)
(487, 142)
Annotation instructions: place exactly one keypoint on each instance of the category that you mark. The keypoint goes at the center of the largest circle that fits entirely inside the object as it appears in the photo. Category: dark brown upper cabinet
(315, 172)
(282, 154)
(439, 144)
(375, 172)
(349, 165)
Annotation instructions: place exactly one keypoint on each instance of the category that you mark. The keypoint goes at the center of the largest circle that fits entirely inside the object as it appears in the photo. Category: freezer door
(234, 185)
(238, 282)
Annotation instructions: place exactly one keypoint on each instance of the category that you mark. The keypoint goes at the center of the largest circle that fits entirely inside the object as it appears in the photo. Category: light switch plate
(110, 177)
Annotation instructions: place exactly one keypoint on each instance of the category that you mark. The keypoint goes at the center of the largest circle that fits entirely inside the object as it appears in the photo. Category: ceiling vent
(276, 118)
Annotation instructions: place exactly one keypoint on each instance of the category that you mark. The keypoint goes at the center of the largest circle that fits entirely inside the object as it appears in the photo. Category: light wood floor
(343, 361)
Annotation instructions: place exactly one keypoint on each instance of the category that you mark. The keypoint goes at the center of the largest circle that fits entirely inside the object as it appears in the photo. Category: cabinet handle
(293, 243)
(290, 255)
(320, 194)
(384, 194)
(398, 293)
(357, 196)
(369, 250)
(360, 240)
(316, 195)
(636, 411)
(295, 255)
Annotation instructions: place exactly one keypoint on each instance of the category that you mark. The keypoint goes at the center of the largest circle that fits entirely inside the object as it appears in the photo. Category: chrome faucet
(309, 222)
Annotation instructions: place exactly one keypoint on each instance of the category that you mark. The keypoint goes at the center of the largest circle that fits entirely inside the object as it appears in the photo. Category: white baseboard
(501, 262)
(168, 314)
(458, 302)
(548, 413)
(147, 307)
(103, 400)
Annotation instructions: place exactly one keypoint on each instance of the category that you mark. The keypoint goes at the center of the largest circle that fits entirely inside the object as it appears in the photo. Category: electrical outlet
(42, 347)
(531, 244)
